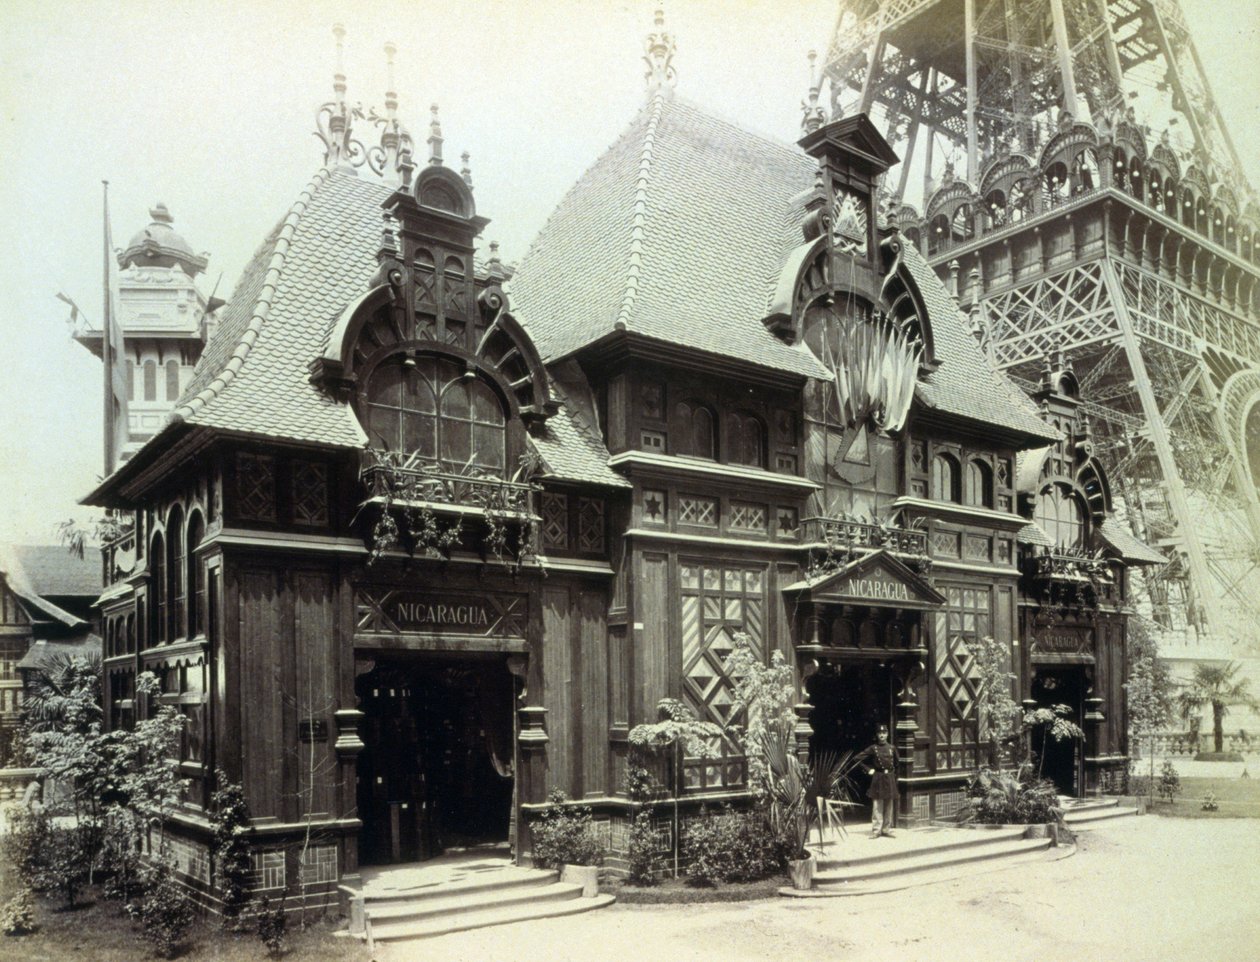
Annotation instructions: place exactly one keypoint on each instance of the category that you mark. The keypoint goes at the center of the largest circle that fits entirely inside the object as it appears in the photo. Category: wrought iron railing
(1062, 566)
(429, 485)
(849, 534)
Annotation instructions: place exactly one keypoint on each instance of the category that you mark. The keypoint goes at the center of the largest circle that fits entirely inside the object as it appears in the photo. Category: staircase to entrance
(456, 892)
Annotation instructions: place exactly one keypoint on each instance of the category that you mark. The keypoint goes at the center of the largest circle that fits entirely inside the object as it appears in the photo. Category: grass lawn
(1237, 798)
(101, 932)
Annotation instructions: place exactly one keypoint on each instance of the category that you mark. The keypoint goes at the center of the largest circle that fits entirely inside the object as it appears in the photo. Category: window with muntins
(434, 408)
(745, 442)
(694, 435)
(1061, 515)
(978, 485)
(944, 478)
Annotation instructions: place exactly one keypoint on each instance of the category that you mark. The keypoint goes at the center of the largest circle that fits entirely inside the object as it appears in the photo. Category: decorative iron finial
(814, 116)
(659, 56)
(494, 267)
(465, 170)
(435, 136)
(332, 121)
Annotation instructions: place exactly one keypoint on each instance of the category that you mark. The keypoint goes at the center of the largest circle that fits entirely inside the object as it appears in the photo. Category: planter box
(801, 872)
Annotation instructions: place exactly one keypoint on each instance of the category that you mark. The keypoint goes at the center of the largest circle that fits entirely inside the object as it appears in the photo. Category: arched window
(944, 478)
(175, 574)
(157, 592)
(978, 485)
(196, 577)
(131, 380)
(694, 434)
(172, 380)
(1061, 515)
(744, 441)
(435, 408)
(150, 380)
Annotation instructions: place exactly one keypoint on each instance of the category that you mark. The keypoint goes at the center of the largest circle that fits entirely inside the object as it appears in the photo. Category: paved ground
(1139, 889)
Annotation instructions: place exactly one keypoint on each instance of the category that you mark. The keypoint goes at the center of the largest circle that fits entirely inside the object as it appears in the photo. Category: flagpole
(107, 346)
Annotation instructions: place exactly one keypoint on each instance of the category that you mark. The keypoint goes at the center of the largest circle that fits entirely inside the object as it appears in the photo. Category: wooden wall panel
(315, 697)
(262, 685)
(652, 605)
(558, 695)
(593, 652)
(618, 677)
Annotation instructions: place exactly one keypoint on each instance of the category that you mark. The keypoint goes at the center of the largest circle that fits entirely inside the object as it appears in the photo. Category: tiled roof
(253, 377)
(670, 234)
(1033, 533)
(965, 384)
(85, 645)
(63, 578)
(1127, 546)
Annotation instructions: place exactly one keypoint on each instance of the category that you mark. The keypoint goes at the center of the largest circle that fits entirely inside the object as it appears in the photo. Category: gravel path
(1138, 889)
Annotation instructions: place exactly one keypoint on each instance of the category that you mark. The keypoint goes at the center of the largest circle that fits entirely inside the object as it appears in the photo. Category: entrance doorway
(1060, 759)
(850, 700)
(436, 771)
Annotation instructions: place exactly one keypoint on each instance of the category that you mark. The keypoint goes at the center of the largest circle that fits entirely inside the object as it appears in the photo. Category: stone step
(1088, 817)
(860, 850)
(930, 875)
(484, 917)
(452, 903)
(931, 859)
(509, 877)
(1070, 805)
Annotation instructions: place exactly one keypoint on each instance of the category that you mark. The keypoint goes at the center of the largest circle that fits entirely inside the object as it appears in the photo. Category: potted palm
(797, 792)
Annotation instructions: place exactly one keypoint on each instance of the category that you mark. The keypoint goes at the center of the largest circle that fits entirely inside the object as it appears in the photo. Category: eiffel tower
(1066, 169)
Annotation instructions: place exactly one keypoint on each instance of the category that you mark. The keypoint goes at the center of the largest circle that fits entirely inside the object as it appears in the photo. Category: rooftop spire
(435, 136)
(659, 57)
(393, 156)
(814, 116)
(332, 122)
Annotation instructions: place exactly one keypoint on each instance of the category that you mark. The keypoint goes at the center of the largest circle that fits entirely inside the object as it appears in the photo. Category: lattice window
(590, 524)
(717, 603)
(555, 520)
(979, 548)
(747, 516)
(693, 509)
(966, 618)
(255, 486)
(945, 544)
(310, 493)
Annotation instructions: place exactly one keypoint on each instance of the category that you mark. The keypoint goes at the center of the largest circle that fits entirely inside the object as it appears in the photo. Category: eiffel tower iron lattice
(1066, 169)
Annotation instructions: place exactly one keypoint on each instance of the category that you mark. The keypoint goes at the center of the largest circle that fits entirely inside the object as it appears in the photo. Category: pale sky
(209, 107)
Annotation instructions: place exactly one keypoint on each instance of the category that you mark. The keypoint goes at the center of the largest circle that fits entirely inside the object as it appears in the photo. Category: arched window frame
(1060, 511)
(172, 380)
(429, 383)
(695, 431)
(745, 439)
(176, 582)
(150, 380)
(196, 575)
(156, 634)
(978, 484)
(945, 478)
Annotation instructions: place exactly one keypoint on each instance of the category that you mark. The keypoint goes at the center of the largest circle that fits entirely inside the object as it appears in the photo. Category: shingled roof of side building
(672, 234)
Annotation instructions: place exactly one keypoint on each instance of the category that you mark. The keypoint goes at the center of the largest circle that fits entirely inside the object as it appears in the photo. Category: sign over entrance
(878, 580)
(1062, 640)
(388, 611)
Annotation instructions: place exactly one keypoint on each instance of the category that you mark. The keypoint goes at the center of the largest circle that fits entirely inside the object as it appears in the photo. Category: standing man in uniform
(883, 790)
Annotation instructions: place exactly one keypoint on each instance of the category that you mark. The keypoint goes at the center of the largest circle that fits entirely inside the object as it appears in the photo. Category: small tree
(996, 708)
(1220, 687)
(766, 695)
(1169, 782)
(677, 732)
(1148, 692)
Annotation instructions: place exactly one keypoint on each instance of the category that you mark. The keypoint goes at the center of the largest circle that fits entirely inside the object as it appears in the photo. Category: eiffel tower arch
(1066, 169)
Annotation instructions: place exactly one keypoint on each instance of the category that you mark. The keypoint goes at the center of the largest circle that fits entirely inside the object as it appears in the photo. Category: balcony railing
(850, 535)
(118, 556)
(1074, 568)
(429, 485)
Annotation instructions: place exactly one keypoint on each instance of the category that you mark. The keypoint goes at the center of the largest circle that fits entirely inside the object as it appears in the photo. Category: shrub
(730, 847)
(566, 835)
(273, 926)
(231, 849)
(18, 915)
(1010, 798)
(1209, 802)
(1139, 785)
(62, 862)
(642, 858)
(1169, 783)
(24, 844)
(163, 912)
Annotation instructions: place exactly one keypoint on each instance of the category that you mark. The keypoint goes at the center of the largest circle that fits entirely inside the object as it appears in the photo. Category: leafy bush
(1139, 785)
(63, 862)
(18, 915)
(272, 926)
(163, 912)
(231, 849)
(765, 696)
(642, 858)
(1010, 798)
(1169, 783)
(566, 835)
(730, 847)
(24, 843)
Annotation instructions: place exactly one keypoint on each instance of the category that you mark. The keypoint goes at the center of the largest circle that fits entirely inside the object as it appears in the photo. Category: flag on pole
(113, 353)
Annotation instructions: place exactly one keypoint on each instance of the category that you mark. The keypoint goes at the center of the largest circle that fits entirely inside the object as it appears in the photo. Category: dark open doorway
(436, 769)
(850, 700)
(1060, 760)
